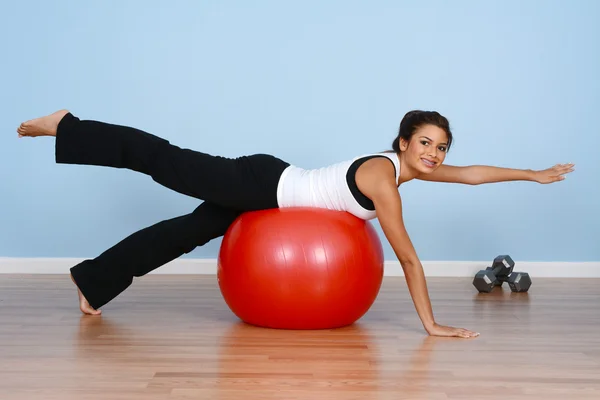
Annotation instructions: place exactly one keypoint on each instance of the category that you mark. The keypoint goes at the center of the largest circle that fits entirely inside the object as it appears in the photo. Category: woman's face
(426, 150)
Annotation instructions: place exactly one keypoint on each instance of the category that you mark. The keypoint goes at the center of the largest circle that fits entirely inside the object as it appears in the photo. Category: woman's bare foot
(83, 303)
(43, 126)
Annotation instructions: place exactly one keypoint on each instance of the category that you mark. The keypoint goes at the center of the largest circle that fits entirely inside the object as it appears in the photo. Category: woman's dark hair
(415, 119)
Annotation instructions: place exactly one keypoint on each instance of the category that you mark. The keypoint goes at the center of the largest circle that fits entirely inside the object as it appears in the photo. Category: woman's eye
(442, 148)
(424, 143)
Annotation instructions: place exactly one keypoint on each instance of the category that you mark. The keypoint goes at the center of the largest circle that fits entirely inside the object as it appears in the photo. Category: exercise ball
(300, 268)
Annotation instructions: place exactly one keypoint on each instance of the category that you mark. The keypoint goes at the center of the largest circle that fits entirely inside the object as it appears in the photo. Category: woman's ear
(403, 144)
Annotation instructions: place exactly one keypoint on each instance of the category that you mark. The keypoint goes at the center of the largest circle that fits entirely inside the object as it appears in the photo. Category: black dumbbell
(519, 281)
(485, 280)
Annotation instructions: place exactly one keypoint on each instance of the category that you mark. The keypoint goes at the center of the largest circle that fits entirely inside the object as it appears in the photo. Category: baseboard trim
(392, 268)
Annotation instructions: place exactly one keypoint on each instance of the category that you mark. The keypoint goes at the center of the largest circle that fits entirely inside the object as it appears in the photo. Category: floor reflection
(240, 360)
(352, 362)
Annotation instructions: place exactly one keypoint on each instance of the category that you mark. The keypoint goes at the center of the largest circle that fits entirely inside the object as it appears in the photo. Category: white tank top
(325, 187)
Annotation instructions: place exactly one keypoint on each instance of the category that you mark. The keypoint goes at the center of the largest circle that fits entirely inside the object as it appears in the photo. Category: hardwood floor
(173, 337)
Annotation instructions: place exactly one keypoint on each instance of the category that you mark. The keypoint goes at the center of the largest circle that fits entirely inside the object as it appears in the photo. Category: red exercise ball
(300, 268)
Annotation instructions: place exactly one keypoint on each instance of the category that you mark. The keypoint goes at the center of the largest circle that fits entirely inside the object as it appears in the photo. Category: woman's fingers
(466, 333)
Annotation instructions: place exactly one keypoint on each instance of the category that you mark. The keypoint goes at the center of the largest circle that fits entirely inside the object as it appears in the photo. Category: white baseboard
(392, 268)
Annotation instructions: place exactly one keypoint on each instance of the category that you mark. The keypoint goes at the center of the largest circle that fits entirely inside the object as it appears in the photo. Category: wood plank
(174, 337)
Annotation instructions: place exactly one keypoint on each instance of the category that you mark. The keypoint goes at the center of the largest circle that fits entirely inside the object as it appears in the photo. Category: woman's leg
(236, 183)
(101, 279)
(228, 186)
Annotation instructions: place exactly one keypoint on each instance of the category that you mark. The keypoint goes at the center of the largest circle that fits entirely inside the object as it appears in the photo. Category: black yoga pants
(227, 186)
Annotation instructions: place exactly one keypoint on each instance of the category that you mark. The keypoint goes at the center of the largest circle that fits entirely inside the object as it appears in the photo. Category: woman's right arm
(389, 213)
(388, 206)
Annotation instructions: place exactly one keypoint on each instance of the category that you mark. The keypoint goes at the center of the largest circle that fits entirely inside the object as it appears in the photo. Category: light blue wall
(314, 82)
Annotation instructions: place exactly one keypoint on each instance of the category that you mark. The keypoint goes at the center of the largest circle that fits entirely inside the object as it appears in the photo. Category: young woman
(366, 186)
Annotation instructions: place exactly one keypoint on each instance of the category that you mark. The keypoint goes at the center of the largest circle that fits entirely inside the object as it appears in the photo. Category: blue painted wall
(315, 83)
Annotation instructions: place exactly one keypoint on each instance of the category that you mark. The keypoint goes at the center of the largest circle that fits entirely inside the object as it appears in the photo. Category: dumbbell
(519, 281)
(485, 280)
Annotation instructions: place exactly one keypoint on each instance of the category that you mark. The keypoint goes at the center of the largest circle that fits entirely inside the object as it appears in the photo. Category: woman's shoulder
(377, 165)
(377, 172)
(381, 164)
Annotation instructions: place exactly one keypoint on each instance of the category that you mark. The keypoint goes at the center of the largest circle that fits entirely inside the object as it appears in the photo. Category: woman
(366, 186)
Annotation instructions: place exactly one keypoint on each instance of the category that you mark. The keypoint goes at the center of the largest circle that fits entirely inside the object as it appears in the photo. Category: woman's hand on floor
(441, 330)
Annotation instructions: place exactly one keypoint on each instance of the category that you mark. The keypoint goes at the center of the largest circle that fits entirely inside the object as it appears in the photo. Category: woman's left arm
(480, 174)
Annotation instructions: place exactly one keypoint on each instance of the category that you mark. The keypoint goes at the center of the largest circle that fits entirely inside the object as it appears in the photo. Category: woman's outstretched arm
(480, 174)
